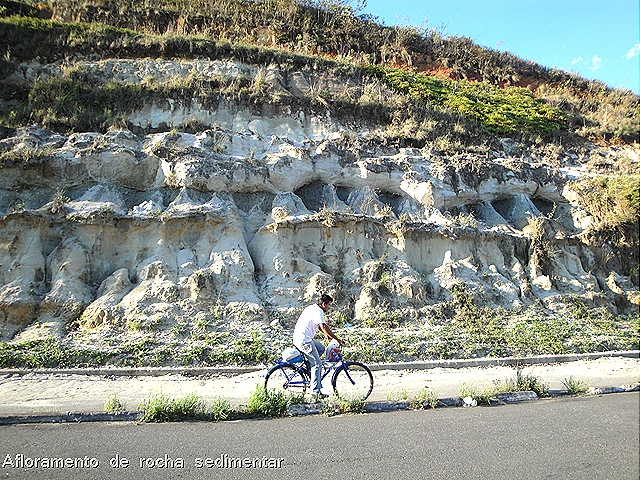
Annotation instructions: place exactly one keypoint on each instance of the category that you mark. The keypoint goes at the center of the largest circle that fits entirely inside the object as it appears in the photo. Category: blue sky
(597, 39)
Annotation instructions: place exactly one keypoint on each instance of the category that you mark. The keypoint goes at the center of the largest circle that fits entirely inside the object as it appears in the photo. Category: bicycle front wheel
(286, 378)
(352, 381)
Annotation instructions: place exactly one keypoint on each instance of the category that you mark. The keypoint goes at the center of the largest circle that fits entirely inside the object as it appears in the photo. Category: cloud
(596, 63)
(577, 60)
(634, 52)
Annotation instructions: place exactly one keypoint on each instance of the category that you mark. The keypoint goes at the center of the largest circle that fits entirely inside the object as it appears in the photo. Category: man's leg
(310, 351)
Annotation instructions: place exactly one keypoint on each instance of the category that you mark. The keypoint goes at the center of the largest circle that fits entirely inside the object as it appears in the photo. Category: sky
(597, 39)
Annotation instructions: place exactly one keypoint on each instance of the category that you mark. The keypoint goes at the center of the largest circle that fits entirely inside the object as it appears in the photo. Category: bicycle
(350, 380)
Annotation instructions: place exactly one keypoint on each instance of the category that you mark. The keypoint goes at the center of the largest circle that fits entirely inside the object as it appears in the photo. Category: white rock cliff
(255, 215)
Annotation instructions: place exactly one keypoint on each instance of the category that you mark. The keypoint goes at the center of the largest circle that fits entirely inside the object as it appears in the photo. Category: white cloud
(596, 63)
(577, 60)
(634, 52)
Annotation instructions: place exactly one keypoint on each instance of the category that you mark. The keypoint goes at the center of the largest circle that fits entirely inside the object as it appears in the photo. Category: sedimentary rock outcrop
(253, 215)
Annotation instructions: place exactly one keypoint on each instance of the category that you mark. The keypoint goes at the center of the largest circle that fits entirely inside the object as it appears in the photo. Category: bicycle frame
(349, 379)
(305, 367)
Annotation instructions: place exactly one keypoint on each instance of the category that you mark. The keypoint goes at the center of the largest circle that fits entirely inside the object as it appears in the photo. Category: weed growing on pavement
(163, 408)
(114, 404)
(271, 403)
(423, 399)
(482, 396)
(574, 386)
(220, 409)
(339, 406)
(399, 394)
(522, 383)
(531, 383)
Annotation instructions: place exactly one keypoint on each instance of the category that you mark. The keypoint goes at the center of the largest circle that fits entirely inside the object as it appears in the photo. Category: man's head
(325, 302)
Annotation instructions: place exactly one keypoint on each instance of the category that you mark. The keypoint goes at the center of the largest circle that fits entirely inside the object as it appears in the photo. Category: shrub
(613, 201)
(500, 110)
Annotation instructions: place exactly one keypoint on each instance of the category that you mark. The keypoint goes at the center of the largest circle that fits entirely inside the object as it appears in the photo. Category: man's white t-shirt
(307, 325)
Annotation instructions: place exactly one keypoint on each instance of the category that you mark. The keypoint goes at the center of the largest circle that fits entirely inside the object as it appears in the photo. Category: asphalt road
(588, 437)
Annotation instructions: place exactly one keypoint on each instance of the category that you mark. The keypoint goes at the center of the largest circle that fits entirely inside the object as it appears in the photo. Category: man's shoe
(320, 396)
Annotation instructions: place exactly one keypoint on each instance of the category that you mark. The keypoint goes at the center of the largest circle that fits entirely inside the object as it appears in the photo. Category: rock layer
(255, 215)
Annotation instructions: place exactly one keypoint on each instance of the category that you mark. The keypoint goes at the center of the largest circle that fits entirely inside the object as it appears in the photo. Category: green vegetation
(574, 386)
(163, 408)
(24, 157)
(245, 349)
(46, 354)
(384, 319)
(522, 383)
(271, 403)
(399, 394)
(114, 405)
(463, 329)
(612, 200)
(500, 110)
(460, 329)
(614, 203)
(423, 399)
(220, 410)
(251, 350)
(327, 36)
(341, 406)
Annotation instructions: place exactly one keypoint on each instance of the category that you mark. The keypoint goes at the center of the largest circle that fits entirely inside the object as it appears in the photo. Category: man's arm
(324, 328)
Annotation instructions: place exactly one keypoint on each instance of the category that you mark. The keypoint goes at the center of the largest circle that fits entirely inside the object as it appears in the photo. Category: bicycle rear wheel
(286, 378)
(352, 381)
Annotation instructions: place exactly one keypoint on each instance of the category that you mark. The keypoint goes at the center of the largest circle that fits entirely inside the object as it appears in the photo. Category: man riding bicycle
(310, 321)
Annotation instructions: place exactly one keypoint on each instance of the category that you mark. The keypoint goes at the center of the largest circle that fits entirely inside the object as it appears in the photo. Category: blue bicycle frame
(301, 364)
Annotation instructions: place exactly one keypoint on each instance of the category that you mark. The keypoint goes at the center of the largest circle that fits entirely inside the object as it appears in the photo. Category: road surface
(588, 437)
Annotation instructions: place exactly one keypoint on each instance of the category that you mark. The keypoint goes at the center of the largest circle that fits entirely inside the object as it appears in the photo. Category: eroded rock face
(260, 214)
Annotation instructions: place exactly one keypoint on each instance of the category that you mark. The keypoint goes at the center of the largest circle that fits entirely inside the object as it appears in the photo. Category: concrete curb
(492, 362)
(421, 365)
(70, 417)
(134, 371)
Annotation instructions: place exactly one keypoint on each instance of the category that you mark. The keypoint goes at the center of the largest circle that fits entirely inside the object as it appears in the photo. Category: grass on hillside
(613, 202)
(319, 29)
(462, 330)
(68, 104)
